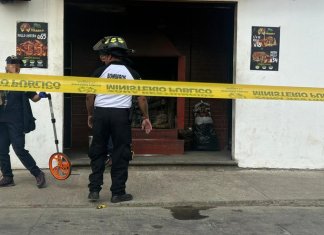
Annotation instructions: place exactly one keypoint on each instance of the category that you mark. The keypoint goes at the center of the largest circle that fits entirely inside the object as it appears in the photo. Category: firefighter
(109, 116)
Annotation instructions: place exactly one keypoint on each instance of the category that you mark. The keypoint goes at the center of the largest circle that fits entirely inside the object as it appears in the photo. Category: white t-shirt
(115, 71)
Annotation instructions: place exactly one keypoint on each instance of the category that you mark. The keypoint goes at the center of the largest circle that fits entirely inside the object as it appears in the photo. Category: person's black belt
(109, 108)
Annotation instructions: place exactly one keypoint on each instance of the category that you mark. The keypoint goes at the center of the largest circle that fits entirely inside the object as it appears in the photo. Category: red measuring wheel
(59, 163)
(60, 166)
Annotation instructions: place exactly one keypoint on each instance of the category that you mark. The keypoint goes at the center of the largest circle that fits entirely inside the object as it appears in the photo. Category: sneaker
(7, 181)
(40, 180)
(121, 198)
(93, 196)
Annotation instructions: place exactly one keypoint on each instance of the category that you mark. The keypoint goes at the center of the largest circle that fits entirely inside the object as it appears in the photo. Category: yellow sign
(87, 85)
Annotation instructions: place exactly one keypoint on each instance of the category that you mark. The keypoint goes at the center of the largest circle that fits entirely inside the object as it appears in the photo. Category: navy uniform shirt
(13, 112)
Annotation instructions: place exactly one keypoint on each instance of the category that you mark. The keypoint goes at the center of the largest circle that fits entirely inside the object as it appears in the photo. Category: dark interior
(160, 32)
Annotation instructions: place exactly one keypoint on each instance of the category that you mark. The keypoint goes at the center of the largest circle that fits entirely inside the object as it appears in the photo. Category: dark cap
(14, 60)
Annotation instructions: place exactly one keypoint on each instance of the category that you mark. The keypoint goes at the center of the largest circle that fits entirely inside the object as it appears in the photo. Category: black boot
(40, 180)
(6, 181)
(93, 196)
(121, 198)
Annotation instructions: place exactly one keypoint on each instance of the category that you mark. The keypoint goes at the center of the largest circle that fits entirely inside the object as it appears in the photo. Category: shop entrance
(173, 41)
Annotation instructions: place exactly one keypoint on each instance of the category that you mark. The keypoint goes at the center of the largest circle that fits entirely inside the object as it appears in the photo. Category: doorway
(202, 33)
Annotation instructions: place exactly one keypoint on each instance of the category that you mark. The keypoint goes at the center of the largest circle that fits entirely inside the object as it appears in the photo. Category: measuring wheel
(60, 166)
(59, 163)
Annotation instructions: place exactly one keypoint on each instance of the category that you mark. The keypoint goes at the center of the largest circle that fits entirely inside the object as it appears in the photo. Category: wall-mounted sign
(265, 48)
(32, 44)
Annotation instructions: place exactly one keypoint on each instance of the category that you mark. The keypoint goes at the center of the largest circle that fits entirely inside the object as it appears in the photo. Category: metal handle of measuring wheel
(49, 97)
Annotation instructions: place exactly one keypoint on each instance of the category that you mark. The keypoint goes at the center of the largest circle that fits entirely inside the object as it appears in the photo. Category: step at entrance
(159, 141)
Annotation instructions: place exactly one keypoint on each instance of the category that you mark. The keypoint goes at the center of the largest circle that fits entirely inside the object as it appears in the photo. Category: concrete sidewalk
(175, 186)
(189, 158)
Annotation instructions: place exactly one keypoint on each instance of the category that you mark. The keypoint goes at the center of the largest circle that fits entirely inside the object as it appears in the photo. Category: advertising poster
(32, 44)
(265, 48)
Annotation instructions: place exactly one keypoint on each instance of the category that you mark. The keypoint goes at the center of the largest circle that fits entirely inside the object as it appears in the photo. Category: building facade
(214, 40)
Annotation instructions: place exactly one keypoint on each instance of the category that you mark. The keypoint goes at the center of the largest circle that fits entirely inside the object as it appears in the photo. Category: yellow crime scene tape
(88, 85)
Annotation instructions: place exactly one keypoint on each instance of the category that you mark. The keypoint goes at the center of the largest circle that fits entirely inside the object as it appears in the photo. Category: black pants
(12, 133)
(114, 123)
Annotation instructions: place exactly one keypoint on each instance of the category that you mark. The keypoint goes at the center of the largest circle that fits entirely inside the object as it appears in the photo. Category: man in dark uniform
(109, 116)
(16, 119)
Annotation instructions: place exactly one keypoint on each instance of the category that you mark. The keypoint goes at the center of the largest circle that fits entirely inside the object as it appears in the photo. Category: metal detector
(59, 163)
